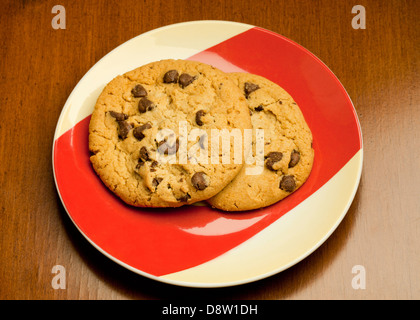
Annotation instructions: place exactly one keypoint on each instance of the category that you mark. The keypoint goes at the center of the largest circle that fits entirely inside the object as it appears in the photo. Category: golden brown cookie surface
(146, 128)
(288, 154)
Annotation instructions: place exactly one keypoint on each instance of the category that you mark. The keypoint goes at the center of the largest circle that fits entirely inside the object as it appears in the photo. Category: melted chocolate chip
(123, 129)
(138, 132)
(272, 158)
(156, 181)
(171, 76)
(184, 198)
(144, 155)
(118, 116)
(287, 183)
(185, 79)
(165, 148)
(161, 146)
(200, 181)
(198, 116)
(249, 88)
(294, 158)
(145, 105)
(140, 163)
(277, 156)
(139, 91)
(153, 166)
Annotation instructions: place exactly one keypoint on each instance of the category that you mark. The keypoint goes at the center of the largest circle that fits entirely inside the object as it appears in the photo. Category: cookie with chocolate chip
(150, 128)
(287, 156)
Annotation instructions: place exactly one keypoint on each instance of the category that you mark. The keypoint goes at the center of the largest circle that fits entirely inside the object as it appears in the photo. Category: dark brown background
(378, 66)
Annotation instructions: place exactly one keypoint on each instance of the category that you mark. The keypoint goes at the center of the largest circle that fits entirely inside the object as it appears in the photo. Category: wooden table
(378, 65)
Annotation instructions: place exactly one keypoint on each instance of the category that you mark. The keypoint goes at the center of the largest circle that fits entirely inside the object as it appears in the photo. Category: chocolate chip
(160, 144)
(123, 129)
(176, 145)
(138, 132)
(277, 156)
(118, 116)
(269, 164)
(171, 76)
(294, 158)
(201, 141)
(140, 163)
(200, 181)
(144, 155)
(249, 88)
(165, 148)
(145, 126)
(273, 158)
(139, 91)
(185, 79)
(287, 183)
(259, 108)
(145, 105)
(153, 166)
(184, 198)
(198, 116)
(156, 181)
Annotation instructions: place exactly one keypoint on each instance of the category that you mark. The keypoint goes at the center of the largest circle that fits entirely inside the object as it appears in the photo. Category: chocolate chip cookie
(150, 128)
(287, 154)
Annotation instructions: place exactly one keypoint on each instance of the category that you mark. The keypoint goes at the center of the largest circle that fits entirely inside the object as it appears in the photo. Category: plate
(196, 245)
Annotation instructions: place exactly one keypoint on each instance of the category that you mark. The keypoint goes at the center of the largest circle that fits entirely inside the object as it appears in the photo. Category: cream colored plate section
(285, 242)
(177, 41)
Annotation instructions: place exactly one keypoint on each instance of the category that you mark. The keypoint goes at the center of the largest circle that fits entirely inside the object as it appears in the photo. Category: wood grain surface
(378, 66)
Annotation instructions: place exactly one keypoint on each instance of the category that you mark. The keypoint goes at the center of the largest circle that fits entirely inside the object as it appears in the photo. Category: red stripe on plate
(163, 241)
(323, 100)
(155, 241)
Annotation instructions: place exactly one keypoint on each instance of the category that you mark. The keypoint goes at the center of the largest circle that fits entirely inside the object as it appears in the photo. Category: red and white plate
(195, 245)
